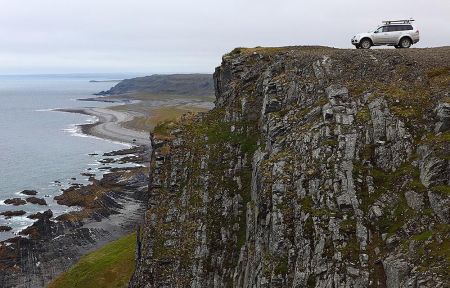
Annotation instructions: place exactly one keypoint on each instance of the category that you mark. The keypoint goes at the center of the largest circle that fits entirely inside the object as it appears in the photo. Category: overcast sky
(167, 36)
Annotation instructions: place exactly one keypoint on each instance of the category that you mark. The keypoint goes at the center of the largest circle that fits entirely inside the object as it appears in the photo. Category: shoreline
(109, 125)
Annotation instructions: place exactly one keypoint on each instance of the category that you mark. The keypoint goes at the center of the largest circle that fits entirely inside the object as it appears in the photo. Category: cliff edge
(319, 167)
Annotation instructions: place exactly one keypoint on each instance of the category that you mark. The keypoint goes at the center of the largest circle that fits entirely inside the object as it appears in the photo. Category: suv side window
(391, 28)
(385, 28)
(396, 28)
(404, 27)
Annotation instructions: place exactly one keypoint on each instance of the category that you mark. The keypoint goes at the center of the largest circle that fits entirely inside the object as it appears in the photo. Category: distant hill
(175, 84)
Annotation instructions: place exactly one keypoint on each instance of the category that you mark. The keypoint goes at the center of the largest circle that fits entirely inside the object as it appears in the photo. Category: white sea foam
(72, 129)
(92, 119)
(46, 110)
(75, 130)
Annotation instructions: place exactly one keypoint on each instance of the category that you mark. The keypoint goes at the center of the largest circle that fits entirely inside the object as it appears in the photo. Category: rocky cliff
(318, 167)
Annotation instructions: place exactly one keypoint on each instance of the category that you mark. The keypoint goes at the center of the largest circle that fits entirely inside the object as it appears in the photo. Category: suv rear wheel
(405, 42)
(365, 43)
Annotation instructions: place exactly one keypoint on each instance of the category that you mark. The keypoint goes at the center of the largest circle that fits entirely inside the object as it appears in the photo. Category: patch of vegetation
(363, 115)
(158, 115)
(367, 151)
(391, 223)
(438, 71)
(307, 204)
(236, 51)
(308, 228)
(382, 183)
(417, 185)
(431, 249)
(162, 129)
(242, 233)
(351, 250)
(282, 267)
(356, 90)
(311, 282)
(348, 226)
(260, 50)
(423, 236)
(308, 207)
(408, 103)
(110, 266)
(437, 138)
(330, 142)
(442, 189)
(388, 181)
(440, 143)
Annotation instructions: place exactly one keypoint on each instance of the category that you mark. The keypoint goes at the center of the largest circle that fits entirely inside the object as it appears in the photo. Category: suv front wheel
(405, 42)
(365, 43)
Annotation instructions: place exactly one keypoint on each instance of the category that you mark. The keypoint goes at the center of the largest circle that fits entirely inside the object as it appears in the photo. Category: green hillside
(110, 266)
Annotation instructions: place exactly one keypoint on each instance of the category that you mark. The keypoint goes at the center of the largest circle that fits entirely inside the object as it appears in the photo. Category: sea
(42, 149)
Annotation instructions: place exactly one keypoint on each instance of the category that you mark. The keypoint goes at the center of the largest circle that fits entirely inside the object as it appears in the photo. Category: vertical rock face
(318, 168)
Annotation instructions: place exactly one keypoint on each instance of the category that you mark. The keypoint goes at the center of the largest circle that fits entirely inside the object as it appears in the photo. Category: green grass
(110, 266)
(423, 236)
(444, 190)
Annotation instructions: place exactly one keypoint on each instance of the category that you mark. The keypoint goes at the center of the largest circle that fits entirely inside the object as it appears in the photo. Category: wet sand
(109, 125)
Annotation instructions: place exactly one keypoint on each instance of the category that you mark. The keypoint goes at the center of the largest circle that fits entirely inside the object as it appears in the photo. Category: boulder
(42, 228)
(441, 205)
(4, 228)
(9, 214)
(414, 200)
(443, 114)
(15, 201)
(30, 192)
(35, 200)
(88, 174)
(396, 270)
(42, 215)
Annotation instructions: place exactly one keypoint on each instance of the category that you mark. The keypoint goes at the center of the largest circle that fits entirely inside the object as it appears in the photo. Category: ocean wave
(92, 119)
(75, 130)
(47, 110)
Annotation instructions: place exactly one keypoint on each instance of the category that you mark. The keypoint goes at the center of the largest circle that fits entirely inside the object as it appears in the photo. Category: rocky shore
(106, 209)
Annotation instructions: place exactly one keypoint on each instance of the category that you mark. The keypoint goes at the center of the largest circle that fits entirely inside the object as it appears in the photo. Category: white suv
(397, 33)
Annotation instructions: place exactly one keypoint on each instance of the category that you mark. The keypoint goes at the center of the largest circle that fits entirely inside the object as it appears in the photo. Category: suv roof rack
(407, 21)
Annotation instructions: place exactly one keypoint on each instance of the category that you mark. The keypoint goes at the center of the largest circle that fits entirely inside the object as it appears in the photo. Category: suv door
(378, 35)
(393, 34)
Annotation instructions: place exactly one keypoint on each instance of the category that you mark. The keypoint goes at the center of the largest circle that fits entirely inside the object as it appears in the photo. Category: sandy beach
(110, 125)
(131, 122)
